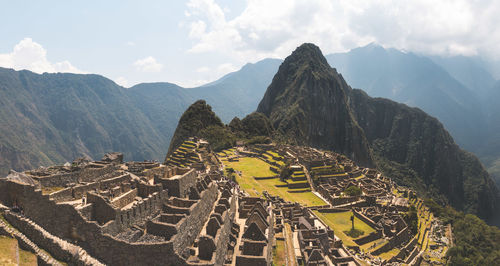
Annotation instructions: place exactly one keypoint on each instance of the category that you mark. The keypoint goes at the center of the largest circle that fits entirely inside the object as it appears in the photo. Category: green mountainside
(418, 82)
(307, 102)
(53, 118)
(414, 149)
(310, 103)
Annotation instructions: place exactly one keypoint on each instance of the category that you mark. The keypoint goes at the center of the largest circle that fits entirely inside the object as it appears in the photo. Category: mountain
(307, 102)
(310, 103)
(469, 71)
(197, 117)
(54, 118)
(414, 149)
(419, 82)
(235, 94)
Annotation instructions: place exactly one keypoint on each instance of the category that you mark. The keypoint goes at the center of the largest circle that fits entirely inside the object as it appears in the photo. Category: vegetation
(340, 222)
(279, 253)
(254, 167)
(27, 258)
(8, 249)
(475, 242)
(411, 219)
(354, 233)
(353, 191)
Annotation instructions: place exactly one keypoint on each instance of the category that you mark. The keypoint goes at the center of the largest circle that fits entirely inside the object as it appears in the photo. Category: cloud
(275, 28)
(202, 69)
(30, 55)
(148, 64)
(122, 82)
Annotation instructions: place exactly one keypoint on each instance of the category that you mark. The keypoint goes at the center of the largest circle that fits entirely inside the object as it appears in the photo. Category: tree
(353, 191)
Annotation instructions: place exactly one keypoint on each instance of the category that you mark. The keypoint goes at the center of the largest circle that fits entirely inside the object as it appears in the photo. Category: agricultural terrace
(254, 167)
(340, 222)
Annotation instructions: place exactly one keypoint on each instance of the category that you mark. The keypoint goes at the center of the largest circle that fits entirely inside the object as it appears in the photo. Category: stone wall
(125, 199)
(142, 210)
(401, 237)
(102, 211)
(178, 186)
(78, 191)
(369, 238)
(40, 239)
(72, 226)
(85, 175)
(190, 229)
(365, 219)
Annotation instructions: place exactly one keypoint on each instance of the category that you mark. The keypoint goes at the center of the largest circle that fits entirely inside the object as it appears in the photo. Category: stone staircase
(43, 257)
(77, 255)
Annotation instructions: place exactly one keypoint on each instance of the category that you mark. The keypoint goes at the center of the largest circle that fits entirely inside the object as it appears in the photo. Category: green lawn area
(251, 167)
(389, 254)
(27, 258)
(341, 221)
(8, 248)
(279, 253)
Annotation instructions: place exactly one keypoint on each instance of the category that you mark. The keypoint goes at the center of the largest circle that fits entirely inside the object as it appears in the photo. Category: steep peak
(308, 54)
(307, 102)
(197, 117)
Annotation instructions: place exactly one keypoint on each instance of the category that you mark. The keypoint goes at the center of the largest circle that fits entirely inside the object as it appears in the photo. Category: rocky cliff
(310, 104)
(414, 149)
(307, 103)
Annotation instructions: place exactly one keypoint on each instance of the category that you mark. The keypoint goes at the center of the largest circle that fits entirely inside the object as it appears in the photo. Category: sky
(193, 42)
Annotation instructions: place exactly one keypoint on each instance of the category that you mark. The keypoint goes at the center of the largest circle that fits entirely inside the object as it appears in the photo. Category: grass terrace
(27, 258)
(389, 254)
(8, 251)
(341, 221)
(251, 167)
(279, 253)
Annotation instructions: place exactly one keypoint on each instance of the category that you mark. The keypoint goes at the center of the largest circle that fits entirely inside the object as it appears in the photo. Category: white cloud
(275, 28)
(30, 55)
(148, 64)
(203, 69)
(130, 43)
(226, 68)
(122, 82)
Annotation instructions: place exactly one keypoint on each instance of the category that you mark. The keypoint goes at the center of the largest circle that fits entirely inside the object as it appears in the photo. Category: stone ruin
(185, 212)
(136, 213)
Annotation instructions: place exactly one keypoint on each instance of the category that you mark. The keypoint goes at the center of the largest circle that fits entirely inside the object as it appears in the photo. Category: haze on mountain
(311, 104)
(459, 91)
(53, 118)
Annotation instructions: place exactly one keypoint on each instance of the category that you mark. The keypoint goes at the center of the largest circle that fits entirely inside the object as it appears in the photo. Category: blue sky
(197, 41)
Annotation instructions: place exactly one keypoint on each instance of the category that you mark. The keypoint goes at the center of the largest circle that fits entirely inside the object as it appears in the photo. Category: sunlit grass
(251, 167)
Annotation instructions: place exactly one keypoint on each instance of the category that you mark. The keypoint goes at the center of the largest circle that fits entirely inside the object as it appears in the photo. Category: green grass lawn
(341, 221)
(279, 253)
(8, 251)
(251, 167)
(389, 254)
(27, 258)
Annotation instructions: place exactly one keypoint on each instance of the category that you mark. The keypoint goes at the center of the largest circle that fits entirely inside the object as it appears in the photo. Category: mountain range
(52, 118)
(310, 103)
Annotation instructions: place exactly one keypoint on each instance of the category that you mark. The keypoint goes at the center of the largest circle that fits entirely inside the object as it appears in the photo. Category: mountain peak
(197, 117)
(307, 102)
(307, 53)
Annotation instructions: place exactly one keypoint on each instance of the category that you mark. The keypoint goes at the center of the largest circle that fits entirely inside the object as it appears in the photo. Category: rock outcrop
(307, 102)
(197, 117)
(415, 149)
